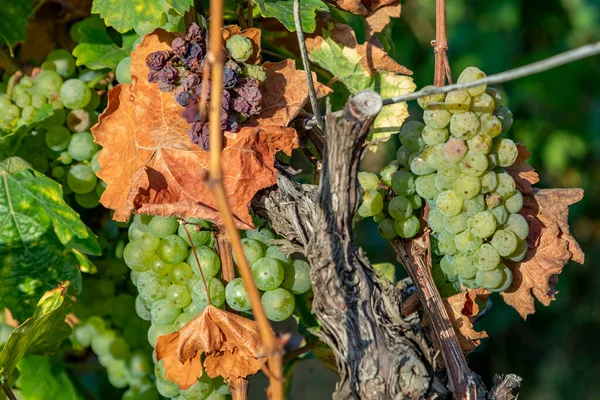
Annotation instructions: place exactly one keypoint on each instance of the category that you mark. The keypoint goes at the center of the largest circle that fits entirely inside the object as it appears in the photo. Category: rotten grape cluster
(62, 144)
(181, 71)
(172, 274)
(456, 161)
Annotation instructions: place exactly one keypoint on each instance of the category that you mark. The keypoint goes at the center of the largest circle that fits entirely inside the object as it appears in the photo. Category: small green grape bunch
(391, 200)
(459, 158)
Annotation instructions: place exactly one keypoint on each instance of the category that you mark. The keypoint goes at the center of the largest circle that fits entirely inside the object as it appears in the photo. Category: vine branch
(440, 46)
(304, 54)
(271, 346)
(567, 57)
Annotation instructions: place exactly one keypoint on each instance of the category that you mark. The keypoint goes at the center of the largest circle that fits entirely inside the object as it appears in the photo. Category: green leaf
(386, 271)
(344, 63)
(40, 334)
(30, 204)
(180, 6)
(96, 49)
(42, 378)
(283, 11)
(126, 15)
(13, 20)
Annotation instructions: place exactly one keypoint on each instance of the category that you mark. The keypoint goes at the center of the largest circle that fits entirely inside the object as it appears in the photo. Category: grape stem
(271, 346)
(440, 46)
(187, 233)
(304, 54)
(566, 57)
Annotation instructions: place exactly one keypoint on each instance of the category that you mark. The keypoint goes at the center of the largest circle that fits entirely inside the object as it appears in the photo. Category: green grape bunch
(455, 160)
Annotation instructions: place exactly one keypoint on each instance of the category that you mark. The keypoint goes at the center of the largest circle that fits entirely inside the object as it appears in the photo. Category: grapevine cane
(271, 345)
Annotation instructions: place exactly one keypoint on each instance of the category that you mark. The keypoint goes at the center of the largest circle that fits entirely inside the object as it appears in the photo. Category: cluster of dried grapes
(180, 70)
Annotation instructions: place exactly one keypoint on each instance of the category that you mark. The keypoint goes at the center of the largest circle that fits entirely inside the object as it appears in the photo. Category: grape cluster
(391, 200)
(166, 269)
(61, 144)
(180, 70)
(457, 160)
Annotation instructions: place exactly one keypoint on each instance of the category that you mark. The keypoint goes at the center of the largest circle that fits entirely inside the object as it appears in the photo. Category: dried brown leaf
(231, 345)
(151, 167)
(378, 19)
(550, 242)
(287, 92)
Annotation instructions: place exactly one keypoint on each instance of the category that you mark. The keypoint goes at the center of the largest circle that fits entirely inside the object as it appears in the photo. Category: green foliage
(180, 6)
(96, 49)
(13, 20)
(40, 334)
(9, 141)
(44, 378)
(283, 11)
(126, 15)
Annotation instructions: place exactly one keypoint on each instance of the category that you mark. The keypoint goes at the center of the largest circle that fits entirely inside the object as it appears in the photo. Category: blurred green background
(557, 116)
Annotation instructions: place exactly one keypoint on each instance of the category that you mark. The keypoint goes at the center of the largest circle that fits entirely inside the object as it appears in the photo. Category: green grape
(64, 62)
(415, 201)
(495, 95)
(486, 258)
(379, 217)
(55, 102)
(163, 312)
(474, 205)
(59, 173)
(507, 278)
(407, 228)
(436, 220)
(21, 99)
(514, 203)
(448, 267)
(474, 164)
(466, 187)
(26, 82)
(156, 331)
(37, 100)
(79, 120)
(28, 114)
(372, 204)
(82, 146)
(505, 242)
(4, 102)
(137, 257)
(199, 232)
(506, 185)
(505, 116)
(240, 48)
(12, 112)
(507, 152)
(419, 166)
(180, 273)
(456, 224)
(216, 290)
(448, 172)
(172, 249)
(458, 101)
(267, 273)
(47, 82)
(254, 71)
(148, 241)
(480, 143)
(123, 70)
(191, 281)
(433, 136)
(449, 203)
(482, 224)
(483, 103)
(500, 214)
(236, 295)
(88, 200)
(139, 365)
(278, 304)
(152, 287)
(119, 349)
(426, 187)
(464, 266)
(520, 253)
(199, 390)
(518, 225)
(434, 155)
(464, 126)
(410, 135)
(117, 375)
(493, 200)
(57, 138)
(182, 320)
(489, 182)
(437, 119)
(403, 183)
(179, 295)
(253, 250)
(400, 208)
(445, 241)
(209, 261)
(134, 233)
(388, 172)
(471, 74)
(467, 242)
(490, 125)
(402, 156)
(163, 226)
(142, 311)
(425, 102)
(454, 150)
(101, 342)
(275, 253)
(134, 276)
(159, 267)
(297, 277)
(195, 307)
(367, 180)
(490, 279)
(65, 158)
(386, 229)
(75, 94)
(81, 179)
